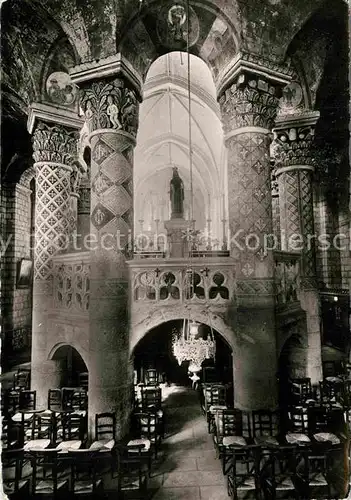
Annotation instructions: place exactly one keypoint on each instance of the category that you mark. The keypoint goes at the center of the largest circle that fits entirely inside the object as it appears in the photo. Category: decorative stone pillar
(111, 107)
(295, 163)
(55, 139)
(249, 101)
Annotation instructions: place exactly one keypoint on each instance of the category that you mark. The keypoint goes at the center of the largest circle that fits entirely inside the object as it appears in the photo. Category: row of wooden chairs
(331, 390)
(309, 437)
(289, 471)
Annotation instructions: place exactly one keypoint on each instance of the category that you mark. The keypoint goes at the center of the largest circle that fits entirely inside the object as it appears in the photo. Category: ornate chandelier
(186, 347)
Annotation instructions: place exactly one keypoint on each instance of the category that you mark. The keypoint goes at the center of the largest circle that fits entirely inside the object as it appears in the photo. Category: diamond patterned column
(249, 107)
(294, 160)
(112, 108)
(55, 150)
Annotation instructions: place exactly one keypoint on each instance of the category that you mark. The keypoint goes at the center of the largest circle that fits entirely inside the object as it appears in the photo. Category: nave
(183, 444)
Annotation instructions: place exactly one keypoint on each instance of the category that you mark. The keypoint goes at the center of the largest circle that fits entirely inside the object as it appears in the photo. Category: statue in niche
(177, 195)
(113, 112)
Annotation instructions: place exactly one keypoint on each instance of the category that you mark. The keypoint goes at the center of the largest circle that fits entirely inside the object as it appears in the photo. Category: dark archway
(155, 351)
(72, 366)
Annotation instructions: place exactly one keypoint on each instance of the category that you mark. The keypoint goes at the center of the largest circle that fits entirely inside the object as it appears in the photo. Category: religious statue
(177, 195)
(113, 112)
(176, 20)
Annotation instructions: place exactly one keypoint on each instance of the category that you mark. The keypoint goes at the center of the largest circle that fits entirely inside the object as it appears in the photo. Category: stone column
(249, 104)
(294, 170)
(111, 106)
(55, 139)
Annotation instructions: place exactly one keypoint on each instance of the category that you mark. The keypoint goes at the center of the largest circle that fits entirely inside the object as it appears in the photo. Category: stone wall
(17, 302)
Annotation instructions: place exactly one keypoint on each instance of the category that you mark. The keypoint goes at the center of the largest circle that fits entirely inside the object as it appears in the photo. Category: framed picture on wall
(24, 273)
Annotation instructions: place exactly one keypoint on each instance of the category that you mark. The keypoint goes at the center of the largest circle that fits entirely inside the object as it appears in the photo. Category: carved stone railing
(180, 280)
(71, 274)
(287, 278)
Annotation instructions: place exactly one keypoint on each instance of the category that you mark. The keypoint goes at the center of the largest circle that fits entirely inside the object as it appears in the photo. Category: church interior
(175, 274)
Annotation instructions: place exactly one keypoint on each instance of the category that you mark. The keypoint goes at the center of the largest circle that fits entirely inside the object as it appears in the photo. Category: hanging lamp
(187, 345)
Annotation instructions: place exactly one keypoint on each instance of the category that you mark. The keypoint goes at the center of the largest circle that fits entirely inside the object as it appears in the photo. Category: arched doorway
(73, 370)
(154, 350)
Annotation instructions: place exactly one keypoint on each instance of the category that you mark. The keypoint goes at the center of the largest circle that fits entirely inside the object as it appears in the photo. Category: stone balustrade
(71, 274)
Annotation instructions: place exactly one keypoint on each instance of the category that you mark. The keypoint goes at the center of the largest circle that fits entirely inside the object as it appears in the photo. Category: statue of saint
(177, 195)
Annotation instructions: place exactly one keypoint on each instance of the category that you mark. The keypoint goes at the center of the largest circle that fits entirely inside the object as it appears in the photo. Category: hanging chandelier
(188, 347)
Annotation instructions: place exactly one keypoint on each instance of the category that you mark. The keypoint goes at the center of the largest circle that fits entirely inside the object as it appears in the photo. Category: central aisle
(187, 468)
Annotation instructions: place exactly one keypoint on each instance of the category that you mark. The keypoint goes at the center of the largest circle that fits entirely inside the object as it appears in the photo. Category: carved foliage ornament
(294, 146)
(55, 144)
(110, 105)
(249, 102)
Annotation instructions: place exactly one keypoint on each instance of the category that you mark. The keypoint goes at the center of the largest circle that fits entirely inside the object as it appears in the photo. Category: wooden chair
(151, 377)
(147, 428)
(151, 402)
(301, 391)
(215, 399)
(55, 399)
(278, 475)
(73, 428)
(313, 476)
(13, 484)
(85, 480)
(21, 380)
(45, 474)
(322, 424)
(133, 467)
(243, 476)
(229, 429)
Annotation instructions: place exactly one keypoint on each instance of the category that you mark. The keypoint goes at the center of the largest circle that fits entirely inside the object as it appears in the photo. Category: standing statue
(177, 195)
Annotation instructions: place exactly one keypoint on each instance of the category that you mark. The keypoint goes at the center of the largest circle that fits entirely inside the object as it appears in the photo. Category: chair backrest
(151, 397)
(72, 426)
(80, 400)
(298, 419)
(302, 388)
(105, 426)
(45, 461)
(21, 379)
(318, 419)
(146, 424)
(43, 426)
(12, 459)
(27, 400)
(245, 463)
(83, 468)
(151, 377)
(217, 395)
(229, 422)
(265, 423)
(67, 398)
(282, 463)
(54, 399)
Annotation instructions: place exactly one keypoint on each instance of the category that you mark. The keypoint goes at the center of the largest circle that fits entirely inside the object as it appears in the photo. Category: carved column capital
(54, 144)
(294, 142)
(251, 101)
(110, 104)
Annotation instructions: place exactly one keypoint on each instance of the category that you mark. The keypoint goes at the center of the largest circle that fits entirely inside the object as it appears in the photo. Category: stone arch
(55, 349)
(217, 45)
(27, 177)
(178, 313)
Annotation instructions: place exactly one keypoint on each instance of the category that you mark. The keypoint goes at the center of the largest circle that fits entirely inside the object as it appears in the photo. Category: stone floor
(187, 468)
